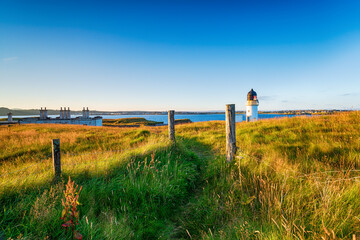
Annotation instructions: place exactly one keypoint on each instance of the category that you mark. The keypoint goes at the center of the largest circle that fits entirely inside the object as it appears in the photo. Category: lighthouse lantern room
(252, 106)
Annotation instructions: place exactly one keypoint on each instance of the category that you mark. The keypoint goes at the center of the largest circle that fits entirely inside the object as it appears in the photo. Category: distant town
(26, 112)
(304, 112)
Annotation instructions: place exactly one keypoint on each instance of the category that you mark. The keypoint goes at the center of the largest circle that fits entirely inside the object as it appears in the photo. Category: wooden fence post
(230, 132)
(171, 125)
(56, 157)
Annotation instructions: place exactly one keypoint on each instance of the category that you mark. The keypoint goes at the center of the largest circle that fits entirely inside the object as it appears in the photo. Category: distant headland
(27, 112)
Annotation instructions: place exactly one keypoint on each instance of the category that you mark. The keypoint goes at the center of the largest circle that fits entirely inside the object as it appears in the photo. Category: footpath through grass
(135, 193)
(293, 178)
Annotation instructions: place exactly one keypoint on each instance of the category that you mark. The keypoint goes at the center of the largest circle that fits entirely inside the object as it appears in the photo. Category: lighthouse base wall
(252, 113)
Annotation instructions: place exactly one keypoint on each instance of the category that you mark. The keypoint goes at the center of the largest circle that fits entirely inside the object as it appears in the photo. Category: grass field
(295, 178)
(121, 122)
(137, 122)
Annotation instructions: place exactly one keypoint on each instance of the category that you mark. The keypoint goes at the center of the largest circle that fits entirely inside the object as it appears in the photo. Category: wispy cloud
(267, 98)
(350, 94)
(9, 59)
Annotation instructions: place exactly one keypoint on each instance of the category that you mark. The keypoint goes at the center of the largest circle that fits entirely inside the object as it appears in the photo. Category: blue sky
(180, 54)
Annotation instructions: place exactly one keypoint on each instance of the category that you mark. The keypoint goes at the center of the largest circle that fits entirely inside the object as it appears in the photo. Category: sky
(179, 54)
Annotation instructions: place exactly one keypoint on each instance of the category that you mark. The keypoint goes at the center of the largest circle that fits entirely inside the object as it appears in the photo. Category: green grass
(293, 178)
(181, 121)
(137, 122)
(265, 195)
(129, 122)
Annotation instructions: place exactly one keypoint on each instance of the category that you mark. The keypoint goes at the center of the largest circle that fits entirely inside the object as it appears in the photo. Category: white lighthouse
(252, 106)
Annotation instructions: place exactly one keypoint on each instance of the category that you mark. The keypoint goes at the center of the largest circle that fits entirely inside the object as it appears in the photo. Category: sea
(192, 117)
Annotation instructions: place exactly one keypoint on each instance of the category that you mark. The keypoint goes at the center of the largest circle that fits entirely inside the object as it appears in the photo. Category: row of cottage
(64, 113)
(64, 118)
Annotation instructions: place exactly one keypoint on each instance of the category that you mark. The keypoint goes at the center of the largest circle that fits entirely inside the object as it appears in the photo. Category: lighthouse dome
(252, 95)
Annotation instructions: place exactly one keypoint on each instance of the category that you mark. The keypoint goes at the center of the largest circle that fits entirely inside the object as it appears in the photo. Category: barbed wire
(256, 159)
(67, 164)
(97, 153)
(332, 171)
(23, 169)
(90, 153)
(242, 154)
(341, 179)
(45, 170)
(84, 163)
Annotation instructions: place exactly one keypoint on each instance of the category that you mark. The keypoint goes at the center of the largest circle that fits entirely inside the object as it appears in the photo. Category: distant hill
(25, 112)
(4, 111)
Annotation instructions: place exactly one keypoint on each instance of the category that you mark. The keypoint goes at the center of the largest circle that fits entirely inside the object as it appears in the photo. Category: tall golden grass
(293, 178)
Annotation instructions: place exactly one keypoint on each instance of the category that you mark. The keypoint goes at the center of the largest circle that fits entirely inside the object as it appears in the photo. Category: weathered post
(230, 132)
(56, 157)
(171, 125)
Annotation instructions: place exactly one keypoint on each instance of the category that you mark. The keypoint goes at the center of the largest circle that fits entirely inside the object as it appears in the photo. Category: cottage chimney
(65, 113)
(41, 114)
(45, 114)
(10, 115)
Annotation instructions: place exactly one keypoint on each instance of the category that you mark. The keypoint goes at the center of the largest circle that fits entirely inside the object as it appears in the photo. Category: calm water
(195, 118)
(164, 118)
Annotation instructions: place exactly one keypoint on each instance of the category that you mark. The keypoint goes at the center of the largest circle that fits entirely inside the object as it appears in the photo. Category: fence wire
(90, 153)
(66, 154)
(308, 175)
(32, 165)
(240, 155)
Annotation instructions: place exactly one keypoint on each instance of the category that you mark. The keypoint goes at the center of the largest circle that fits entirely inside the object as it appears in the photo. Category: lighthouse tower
(252, 106)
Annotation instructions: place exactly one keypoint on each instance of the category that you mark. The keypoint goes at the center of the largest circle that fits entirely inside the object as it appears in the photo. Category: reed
(292, 178)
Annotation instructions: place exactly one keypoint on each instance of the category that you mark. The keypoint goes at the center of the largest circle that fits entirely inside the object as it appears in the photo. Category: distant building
(10, 117)
(43, 114)
(64, 118)
(252, 106)
(85, 113)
